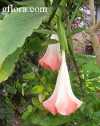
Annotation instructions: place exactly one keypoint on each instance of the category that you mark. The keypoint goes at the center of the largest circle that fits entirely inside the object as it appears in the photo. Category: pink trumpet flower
(52, 57)
(63, 100)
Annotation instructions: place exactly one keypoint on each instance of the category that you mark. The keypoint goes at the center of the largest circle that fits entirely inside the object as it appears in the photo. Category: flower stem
(62, 34)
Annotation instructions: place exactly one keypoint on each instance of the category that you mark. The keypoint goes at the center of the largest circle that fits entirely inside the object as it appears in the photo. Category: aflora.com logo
(11, 8)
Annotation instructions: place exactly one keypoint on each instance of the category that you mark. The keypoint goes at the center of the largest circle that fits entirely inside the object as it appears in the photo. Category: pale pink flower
(63, 100)
(52, 57)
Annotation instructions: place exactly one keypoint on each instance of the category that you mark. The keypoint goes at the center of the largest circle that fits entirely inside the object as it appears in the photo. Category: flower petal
(52, 58)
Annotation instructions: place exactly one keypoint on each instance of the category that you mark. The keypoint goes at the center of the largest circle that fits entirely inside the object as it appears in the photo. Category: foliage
(24, 84)
(15, 25)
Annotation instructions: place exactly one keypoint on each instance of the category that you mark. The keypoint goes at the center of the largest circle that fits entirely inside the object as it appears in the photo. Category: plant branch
(76, 68)
(73, 57)
(55, 6)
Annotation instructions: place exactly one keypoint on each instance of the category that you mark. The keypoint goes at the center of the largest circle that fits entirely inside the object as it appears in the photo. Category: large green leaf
(14, 29)
(9, 65)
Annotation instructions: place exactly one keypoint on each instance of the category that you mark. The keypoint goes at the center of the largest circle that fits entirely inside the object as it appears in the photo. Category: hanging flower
(52, 58)
(62, 101)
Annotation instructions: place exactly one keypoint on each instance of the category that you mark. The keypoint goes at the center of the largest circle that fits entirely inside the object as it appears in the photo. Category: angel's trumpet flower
(63, 100)
(52, 57)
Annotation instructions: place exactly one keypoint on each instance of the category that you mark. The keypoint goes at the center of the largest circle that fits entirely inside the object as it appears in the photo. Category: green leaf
(11, 89)
(29, 76)
(13, 31)
(27, 112)
(35, 43)
(9, 65)
(37, 89)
